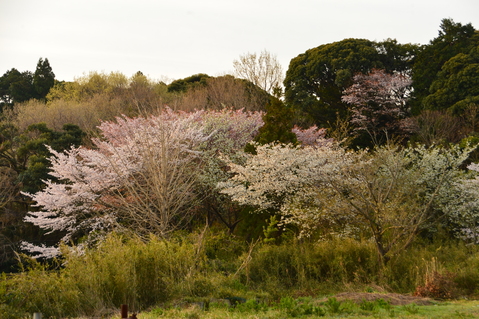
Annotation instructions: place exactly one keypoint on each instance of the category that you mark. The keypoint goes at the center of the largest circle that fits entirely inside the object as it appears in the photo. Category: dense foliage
(16, 86)
(454, 39)
(315, 79)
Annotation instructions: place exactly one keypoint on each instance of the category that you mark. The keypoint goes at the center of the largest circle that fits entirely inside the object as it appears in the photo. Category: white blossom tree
(389, 194)
(284, 179)
(463, 208)
(398, 192)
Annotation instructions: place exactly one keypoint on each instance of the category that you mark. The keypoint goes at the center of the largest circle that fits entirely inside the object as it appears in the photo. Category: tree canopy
(17, 87)
(43, 78)
(183, 85)
(457, 84)
(453, 39)
(26, 152)
(316, 79)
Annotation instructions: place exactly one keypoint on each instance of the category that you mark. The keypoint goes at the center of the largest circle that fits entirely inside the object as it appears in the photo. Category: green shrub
(120, 271)
(251, 305)
(409, 270)
(202, 287)
(467, 275)
(128, 272)
(299, 307)
(334, 306)
(222, 251)
(40, 290)
(368, 305)
(305, 266)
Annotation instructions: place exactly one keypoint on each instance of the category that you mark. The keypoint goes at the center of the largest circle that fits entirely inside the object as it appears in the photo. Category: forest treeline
(370, 141)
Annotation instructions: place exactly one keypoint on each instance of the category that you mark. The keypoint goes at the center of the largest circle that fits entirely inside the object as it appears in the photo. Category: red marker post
(124, 311)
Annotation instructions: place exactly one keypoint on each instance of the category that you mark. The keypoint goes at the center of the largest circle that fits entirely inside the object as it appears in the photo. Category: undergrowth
(202, 268)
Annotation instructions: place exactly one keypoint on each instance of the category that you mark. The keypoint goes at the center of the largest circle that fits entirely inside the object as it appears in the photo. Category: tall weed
(307, 266)
(201, 267)
(133, 272)
(120, 271)
(39, 290)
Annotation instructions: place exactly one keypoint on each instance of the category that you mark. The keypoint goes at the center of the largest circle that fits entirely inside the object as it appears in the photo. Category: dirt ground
(393, 298)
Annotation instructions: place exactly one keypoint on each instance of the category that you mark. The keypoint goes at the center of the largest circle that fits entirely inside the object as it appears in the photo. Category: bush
(120, 271)
(311, 266)
(467, 275)
(39, 290)
(299, 307)
(438, 286)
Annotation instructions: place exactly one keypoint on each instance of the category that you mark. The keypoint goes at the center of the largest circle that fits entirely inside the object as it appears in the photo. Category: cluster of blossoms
(283, 178)
(463, 209)
(142, 173)
(378, 102)
(389, 194)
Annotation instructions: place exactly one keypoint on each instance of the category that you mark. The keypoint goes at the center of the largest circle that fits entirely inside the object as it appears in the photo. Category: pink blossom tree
(313, 136)
(144, 174)
(378, 102)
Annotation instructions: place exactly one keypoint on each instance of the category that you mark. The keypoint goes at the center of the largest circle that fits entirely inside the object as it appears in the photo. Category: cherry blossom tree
(378, 102)
(398, 192)
(230, 131)
(283, 179)
(389, 194)
(312, 136)
(143, 175)
(463, 210)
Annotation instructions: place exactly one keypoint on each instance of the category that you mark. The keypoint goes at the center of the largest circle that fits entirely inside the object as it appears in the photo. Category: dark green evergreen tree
(278, 123)
(35, 153)
(456, 85)
(24, 157)
(43, 78)
(182, 85)
(453, 39)
(26, 152)
(16, 86)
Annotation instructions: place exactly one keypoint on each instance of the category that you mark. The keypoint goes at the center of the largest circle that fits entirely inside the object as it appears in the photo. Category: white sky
(179, 38)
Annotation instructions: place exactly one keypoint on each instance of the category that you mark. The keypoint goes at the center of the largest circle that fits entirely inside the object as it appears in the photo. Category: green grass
(452, 309)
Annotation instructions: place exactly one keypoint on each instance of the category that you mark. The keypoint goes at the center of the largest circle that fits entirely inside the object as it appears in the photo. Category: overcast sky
(178, 38)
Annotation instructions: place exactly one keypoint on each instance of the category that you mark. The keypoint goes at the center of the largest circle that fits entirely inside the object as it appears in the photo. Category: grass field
(317, 308)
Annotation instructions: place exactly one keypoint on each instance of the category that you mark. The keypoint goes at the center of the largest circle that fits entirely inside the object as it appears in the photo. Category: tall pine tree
(278, 123)
(43, 78)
